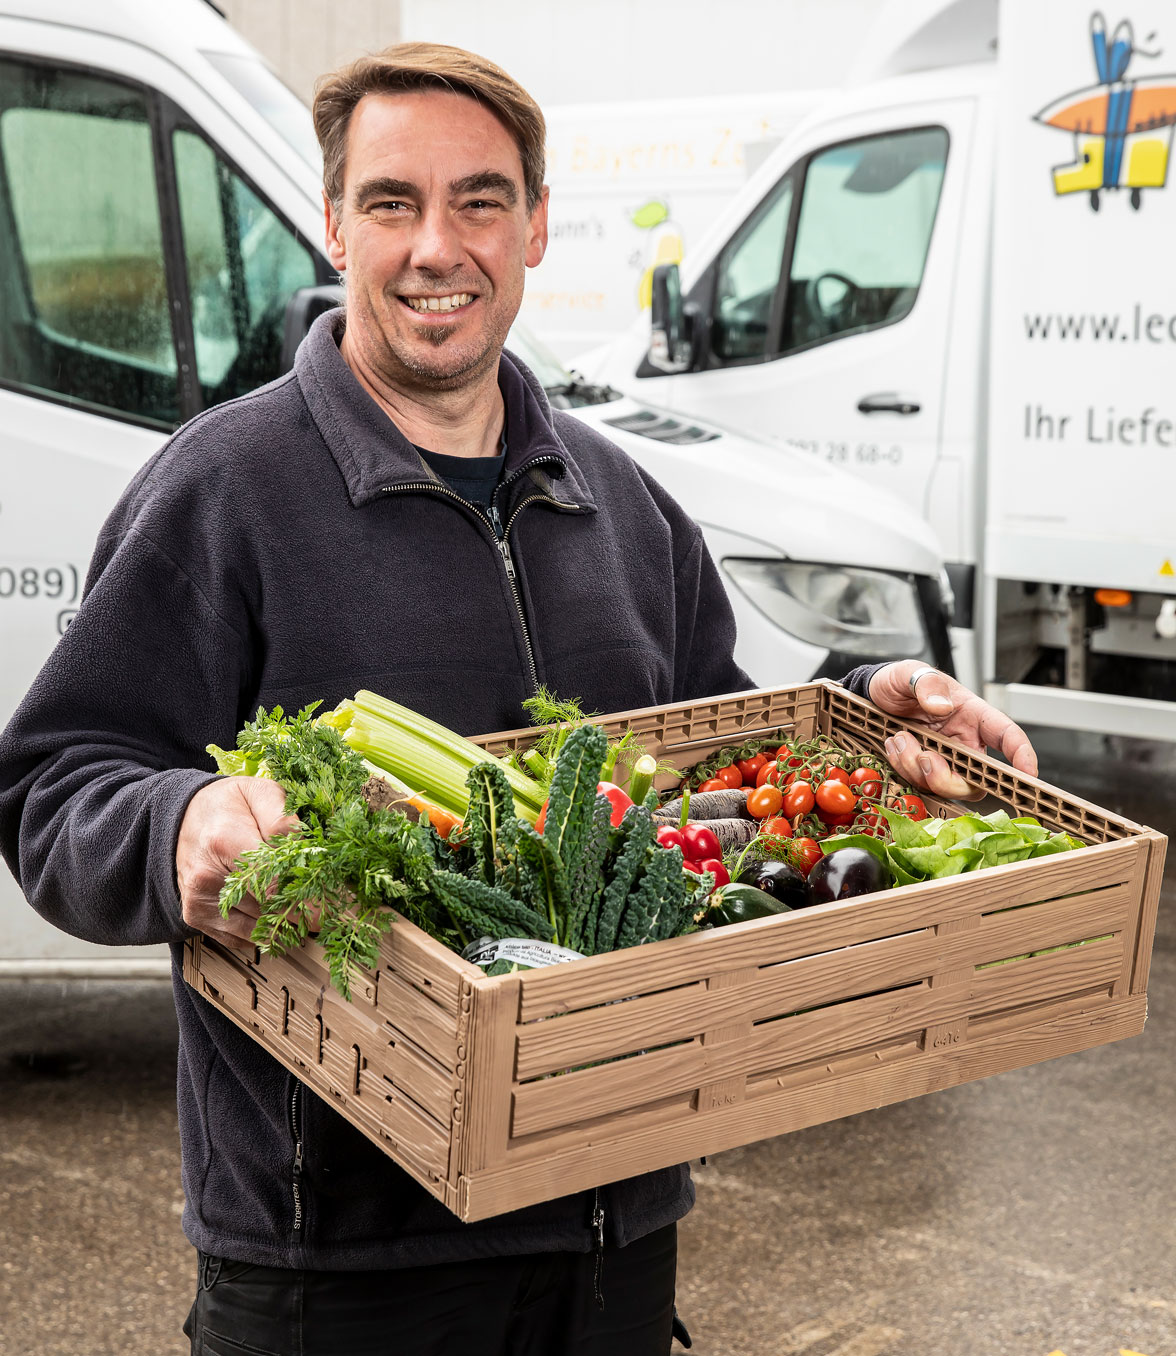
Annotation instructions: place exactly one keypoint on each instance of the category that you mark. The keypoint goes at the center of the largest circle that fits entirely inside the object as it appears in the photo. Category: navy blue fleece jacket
(292, 546)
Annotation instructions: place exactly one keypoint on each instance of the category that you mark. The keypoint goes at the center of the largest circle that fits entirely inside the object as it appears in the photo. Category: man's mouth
(453, 302)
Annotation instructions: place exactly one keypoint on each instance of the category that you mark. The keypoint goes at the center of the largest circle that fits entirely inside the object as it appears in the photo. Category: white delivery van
(1007, 372)
(160, 220)
(634, 185)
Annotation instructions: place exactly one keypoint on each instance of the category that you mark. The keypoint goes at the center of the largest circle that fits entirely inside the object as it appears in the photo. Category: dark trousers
(543, 1305)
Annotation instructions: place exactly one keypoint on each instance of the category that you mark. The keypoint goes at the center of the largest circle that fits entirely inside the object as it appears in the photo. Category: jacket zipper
(598, 1246)
(297, 1178)
(493, 521)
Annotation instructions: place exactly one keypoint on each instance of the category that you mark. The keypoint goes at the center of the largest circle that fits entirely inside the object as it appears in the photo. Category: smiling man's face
(434, 235)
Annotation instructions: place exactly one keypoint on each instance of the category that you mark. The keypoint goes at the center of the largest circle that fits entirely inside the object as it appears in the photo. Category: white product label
(520, 951)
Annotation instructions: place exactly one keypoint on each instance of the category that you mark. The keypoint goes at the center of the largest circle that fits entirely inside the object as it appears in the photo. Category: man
(402, 512)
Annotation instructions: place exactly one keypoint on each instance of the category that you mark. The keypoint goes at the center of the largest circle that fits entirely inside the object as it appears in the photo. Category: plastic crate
(498, 1092)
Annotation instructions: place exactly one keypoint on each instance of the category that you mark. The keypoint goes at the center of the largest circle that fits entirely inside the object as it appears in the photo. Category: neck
(465, 421)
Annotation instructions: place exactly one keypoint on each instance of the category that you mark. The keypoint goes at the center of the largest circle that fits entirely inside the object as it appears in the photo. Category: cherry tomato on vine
(749, 768)
(764, 801)
(777, 826)
(836, 774)
(770, 772)
(730, 775)
(798, 799)
(808, 854)
(866, 781)
(770, 754)
(838, 821)
(870, 819)
(911, 806)
(714, 784)
(834, 798)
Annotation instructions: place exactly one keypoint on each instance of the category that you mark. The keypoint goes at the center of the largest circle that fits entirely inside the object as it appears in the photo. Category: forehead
(425, 134)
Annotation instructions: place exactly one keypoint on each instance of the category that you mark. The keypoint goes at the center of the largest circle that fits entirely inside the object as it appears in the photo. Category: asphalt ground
(1029, 1214)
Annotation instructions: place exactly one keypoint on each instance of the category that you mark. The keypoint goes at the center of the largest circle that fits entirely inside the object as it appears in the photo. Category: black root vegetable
(731, 804)
(846, 873)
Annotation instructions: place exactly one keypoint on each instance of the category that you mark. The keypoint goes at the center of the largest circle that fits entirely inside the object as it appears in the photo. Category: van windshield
(277, 104)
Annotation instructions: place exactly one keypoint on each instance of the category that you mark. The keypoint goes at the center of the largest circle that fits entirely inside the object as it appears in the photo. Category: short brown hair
(426, 65)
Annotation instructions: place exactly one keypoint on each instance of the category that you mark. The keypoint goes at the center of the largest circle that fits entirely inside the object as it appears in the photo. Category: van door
(143, 277)
(823, 322)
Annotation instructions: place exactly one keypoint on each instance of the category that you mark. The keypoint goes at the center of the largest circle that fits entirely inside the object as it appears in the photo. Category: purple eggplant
(845, 873)
(778, 879)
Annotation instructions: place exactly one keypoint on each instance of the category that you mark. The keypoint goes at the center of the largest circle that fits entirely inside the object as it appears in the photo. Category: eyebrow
(485, 181)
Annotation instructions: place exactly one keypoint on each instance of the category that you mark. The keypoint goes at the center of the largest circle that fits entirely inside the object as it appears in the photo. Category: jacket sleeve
(103, 755)
(858, 680)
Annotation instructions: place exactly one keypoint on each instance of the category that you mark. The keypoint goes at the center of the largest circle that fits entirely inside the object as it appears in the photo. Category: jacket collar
(373, 455)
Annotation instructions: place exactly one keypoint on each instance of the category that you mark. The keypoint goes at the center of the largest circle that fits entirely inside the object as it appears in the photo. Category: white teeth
(450, 303)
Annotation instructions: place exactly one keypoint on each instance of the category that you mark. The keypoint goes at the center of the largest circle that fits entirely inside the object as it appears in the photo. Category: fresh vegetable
(591, 880)
(778, 879)
(909, 805)
(764, 802)
(699, 842)
(932, 849)
(749, 768)
(798, 800)
(738, 903)
(834, 798)
(713, 784)
(778, 826)
(724, 804)
(846, 873)
(867, 782)
(716, 869)
(618, 799)
(431, 759)
(808, 853)
(729, 776)
(668, 836)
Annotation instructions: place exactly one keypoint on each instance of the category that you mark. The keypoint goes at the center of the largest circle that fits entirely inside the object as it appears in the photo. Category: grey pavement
(1031, 1214)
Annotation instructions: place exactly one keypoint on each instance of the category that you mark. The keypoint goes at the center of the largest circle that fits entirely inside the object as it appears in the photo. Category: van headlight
(838, 607)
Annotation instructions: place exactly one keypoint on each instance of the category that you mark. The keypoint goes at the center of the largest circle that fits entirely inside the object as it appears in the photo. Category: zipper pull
(496, 520)
(598, 1236)
(507, 560)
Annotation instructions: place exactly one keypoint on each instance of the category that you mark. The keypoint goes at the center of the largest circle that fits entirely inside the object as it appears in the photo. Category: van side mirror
(302, 310)
(670, 347)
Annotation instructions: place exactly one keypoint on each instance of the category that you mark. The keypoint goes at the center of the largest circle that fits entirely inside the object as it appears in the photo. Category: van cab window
(749, 278)
(84, 308)
(863, 233)
(243, 264)
(837, 247)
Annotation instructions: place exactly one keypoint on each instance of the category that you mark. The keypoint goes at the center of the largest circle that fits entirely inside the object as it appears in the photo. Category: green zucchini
(736, 903)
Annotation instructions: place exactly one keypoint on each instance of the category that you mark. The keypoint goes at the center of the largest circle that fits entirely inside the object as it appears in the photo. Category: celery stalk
(431, 759)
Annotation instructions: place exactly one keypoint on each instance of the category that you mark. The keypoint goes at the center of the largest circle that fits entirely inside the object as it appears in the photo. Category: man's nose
(436, 246)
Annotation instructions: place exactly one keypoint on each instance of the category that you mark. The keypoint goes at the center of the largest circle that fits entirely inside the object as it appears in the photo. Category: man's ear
(336, 245)
(537, 231)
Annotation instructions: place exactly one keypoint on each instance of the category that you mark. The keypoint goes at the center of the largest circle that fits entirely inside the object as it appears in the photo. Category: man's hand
(224, 819)
(943, 705)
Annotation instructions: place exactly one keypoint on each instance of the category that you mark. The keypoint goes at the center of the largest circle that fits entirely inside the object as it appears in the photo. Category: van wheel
(1136, 199)
(1094, 203)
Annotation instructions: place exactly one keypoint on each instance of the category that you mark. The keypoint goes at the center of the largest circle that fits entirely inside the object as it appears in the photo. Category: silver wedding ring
(920, 673)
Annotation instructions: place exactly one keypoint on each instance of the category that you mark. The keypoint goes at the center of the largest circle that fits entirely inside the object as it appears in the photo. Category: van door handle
(889, 403)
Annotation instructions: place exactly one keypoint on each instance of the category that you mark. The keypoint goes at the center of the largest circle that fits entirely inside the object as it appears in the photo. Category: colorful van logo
(1122, 128)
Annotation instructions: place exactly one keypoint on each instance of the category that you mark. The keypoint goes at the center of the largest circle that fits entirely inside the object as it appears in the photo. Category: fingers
(999, 732)
(933, 692)
(927, 769)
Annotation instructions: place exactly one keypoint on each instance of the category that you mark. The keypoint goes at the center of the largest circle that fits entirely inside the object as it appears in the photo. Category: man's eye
(482, 204)
(390, 206)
